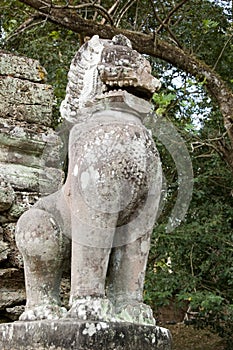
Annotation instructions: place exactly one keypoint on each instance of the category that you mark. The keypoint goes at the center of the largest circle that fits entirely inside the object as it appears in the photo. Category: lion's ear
(95, 44)
(121, 40)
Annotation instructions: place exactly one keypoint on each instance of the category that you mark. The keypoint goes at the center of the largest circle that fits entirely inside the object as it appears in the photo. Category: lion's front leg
(91, 246)
(126, 279)
(129, 256)
(88, 300)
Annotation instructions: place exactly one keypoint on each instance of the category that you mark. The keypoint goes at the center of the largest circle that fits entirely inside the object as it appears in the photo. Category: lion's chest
(112, 164)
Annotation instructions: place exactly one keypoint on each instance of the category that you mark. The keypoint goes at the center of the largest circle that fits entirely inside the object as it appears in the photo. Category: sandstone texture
(74, 335)
(30, 164)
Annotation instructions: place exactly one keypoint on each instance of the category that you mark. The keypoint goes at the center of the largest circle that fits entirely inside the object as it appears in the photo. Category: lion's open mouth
(128, 86)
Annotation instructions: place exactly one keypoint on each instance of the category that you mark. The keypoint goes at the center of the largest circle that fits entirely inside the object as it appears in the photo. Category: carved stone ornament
(107, 207)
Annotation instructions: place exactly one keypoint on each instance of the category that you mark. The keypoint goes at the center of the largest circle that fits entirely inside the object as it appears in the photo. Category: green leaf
(162, 99)
(210, 24)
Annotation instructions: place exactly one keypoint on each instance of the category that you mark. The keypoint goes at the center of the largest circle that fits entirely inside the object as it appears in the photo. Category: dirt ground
(187, 338)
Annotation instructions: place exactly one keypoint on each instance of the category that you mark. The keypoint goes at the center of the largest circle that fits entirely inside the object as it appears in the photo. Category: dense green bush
(194, 262)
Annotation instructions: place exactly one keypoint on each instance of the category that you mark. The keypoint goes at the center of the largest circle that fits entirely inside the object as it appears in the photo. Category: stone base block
(76, 335)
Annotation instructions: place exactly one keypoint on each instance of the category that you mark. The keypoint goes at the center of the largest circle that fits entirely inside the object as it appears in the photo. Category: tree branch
(222, 51)
(123, 11)
(28, 24)
(112, 9)
(164, 25)
(97, 7)
(176, 8)
(219, 145)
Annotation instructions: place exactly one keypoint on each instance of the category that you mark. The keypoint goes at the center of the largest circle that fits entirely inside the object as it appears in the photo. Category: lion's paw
(91, 309)
(42, 312)
(138, 313)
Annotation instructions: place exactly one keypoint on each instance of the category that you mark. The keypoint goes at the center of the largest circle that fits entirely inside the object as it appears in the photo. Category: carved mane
(83, 80)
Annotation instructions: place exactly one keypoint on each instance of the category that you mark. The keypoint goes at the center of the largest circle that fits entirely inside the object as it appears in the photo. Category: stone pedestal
(75, 335)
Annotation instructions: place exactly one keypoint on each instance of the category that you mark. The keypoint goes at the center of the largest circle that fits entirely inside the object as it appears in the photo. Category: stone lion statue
(106, 209)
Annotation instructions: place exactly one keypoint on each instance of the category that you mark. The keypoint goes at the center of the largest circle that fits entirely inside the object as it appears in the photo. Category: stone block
(46, 181)
(21, 67)
(75, 335)
(12, 289)
(37, 114)
(25, 100)
(18, 91)
(31, 158)
(4, 250)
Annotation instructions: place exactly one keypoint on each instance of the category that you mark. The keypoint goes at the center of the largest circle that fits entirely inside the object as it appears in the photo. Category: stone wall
(30, 164)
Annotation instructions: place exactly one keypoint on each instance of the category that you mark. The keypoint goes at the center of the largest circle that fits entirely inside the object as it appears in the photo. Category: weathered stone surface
(30, 163)
(25, 100)
(13, 214)
(11, 297)
(45, 181)
(19, 91)
(7, 195)
(14, 258)
(14, 312)
(20, 136)
(4, 250)
(75, 335)
(16, 156)
(21, 67)
(30, 113)
(109, 201)
(29, 146)
(12, 289)
(9, 274)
